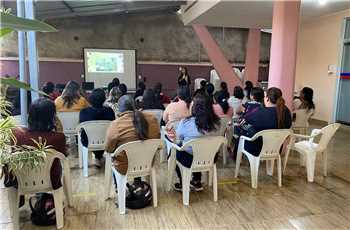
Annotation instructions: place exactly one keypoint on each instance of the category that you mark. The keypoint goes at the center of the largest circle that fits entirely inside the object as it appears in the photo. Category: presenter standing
(184, 78)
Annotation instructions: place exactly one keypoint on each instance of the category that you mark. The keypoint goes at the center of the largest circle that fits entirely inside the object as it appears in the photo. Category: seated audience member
(235, 101)
(130, 125)
(202, 122)
(305, 100)
(41, 124)
(257, 101)
(140, 89)
(275, 115)
(123, 89)
(178, 110)
(224, 90)
(150, 101)
(248, 87)
(160, 95)
(221, 107)
(49, 89)
(210, 89)
(71, 99)
(203, 83)
(114, 83)
(95, 112)
(112, 100)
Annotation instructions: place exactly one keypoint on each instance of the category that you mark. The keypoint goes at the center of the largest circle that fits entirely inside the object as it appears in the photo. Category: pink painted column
(283, 54)
(217, 58)
(252, 57)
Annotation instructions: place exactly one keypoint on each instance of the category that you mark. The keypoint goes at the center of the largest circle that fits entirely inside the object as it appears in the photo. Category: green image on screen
(101, 62)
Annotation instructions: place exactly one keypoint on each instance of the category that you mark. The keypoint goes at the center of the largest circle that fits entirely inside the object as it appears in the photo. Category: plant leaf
(4, 31)
(23, 24)
(19, 84)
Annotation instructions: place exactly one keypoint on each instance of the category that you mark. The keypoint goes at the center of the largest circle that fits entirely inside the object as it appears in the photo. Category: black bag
(43, 211)
(139, 195)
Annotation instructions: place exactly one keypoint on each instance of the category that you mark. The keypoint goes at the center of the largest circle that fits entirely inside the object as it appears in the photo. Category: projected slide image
(102, 62)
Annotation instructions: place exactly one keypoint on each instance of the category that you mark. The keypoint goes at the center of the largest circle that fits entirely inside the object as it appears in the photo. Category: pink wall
(61, 72)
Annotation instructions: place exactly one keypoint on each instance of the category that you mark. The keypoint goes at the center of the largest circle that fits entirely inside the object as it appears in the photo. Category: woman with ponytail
(130, 125)
(221, 106)
(275, 115)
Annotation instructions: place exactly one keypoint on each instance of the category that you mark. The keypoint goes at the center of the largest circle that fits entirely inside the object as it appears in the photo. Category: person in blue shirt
(256, 102)
(95, 112)
(202, 122)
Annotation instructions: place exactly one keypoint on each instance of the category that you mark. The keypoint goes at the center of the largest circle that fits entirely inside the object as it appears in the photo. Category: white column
(32, 51)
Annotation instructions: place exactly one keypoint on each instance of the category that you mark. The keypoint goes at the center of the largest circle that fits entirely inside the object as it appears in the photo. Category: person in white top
(235, 101)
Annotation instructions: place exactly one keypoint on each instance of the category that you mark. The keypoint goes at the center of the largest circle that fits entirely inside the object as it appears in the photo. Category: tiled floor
(324, 204)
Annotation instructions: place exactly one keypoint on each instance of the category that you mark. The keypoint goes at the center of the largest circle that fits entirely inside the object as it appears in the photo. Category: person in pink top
(221, 106)
(176, 111)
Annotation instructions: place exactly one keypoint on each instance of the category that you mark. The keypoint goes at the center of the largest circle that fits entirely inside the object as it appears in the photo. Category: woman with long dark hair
(247, 89)
(221, 106)
(130, 125)
(71, 99)
(112, 100)
(150, 101)
(202, 122)
(184, 78)
(275, 115)
(305, 99)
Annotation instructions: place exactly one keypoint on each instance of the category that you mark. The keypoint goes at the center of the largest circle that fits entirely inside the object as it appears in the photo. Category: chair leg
(215, 183)
(224, 154)
(269, 167)
(58, 200)
(67, 183)
(154, 187)
(80, 153)
(85, 161)
(279, 171)
(302, 160)
(289, 146)
(121, 187)
(210, 178)
(171, 169)
(13, 197)
(324, 158)
(254, 170)
(186, 177)
(108, 176)
(238, 162)
(310, 165)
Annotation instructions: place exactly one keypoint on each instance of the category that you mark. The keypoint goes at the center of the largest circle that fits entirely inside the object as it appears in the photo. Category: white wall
(318, 47)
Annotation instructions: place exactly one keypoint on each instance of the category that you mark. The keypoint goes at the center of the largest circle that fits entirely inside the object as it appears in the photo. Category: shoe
(196, 186)
(178, 187)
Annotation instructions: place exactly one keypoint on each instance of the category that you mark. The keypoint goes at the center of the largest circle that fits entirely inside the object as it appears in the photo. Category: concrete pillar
(22, 64)
(217, 58)
(32, 52)
(252, 58)
(285, 23)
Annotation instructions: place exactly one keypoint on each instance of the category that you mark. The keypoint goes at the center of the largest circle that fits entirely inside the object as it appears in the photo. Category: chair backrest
(158, 113)
(69, 120)
(204, 150)
(197, 83)
(302, 117)
(37, 180)
(140, 155)
(272, 141)
(327, 134)
(95, 131)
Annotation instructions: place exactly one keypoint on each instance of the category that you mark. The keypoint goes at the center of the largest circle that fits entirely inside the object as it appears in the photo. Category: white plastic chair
(273, 140)
(204, 151)
(70, 121)
(309, 148)
(96, 134)
(140, 156)
(302, 117)
(197, 83)
(226, 131)
(158, 113)
(31, 181)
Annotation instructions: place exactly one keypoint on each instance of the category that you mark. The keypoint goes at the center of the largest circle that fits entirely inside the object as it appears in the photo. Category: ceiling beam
(68, 6)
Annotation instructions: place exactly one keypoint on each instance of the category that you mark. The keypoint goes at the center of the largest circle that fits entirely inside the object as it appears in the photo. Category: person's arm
(112, 137)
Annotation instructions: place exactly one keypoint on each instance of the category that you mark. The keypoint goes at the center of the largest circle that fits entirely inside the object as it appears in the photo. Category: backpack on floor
(139, 195)
(43, 211)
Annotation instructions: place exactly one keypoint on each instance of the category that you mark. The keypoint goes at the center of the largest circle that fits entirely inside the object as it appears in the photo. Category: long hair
(257, 94)
(149, 100)
(41, 116)
(114, 95)
(127, 103)
(97, 98)
(275, 96)
(248, 87)
(238, 92)
(220, 98)
(183, 92)
(70, 94)
(307, 98)
(202, 110)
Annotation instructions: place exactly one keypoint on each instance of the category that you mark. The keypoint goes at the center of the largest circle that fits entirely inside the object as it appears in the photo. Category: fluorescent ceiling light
(322, 2)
